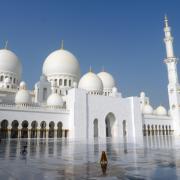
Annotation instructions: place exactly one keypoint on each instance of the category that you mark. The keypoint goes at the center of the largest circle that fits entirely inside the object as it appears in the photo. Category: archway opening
(124, 128)
(159, 129)
(34, 126)
(163, 130)
(4, 129)
(109, 120)
(156, 131)
(144, 130)
(51, 129)
(95, 128)
(24, 130)
(152, 129)
(170, 132)
(59, 130)
(43, 129)
(148, 130)
(14, 129)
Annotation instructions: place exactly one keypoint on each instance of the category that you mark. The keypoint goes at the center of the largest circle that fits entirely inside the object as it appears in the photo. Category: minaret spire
(173, 85)
(166, 20)
(168, 39)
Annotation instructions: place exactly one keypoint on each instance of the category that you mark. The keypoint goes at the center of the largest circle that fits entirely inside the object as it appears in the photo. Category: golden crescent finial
(103, 70)
(62, 44)
(90, 69)
(6, 45)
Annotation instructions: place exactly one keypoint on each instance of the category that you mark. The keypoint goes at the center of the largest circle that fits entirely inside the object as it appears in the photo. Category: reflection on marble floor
(157, 157)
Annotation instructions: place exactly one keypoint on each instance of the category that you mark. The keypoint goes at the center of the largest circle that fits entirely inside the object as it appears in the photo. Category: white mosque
(66, 104)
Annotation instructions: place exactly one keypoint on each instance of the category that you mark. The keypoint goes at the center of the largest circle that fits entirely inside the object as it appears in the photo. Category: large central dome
(10, 63)
(61, 62)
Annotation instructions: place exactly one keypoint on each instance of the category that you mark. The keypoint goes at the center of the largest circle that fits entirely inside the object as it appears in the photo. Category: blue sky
(124, 36)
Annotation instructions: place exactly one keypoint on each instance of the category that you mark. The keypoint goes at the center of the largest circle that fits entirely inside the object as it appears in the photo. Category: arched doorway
(95, 128)
(124, 128)
(14, 129)
(24, 130)
(144, 130)
(109, 120)
(4, 129)
(167, 130)
(170, 130)
(59, 130)
(43, 129)
(159, 129)
(148, 130)
(34, 126)
(152, 129)
(163, 130)
(51, 129)
(156, 131)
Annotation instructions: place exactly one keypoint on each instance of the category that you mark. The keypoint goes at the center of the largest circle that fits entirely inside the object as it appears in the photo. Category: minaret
(173, 85)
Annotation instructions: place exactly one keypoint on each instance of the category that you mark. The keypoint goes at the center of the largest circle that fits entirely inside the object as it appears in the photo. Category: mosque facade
(64, 104)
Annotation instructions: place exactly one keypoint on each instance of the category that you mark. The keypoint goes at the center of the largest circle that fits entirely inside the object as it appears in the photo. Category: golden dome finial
(90, 69)
(6, 44)
(103, 70)
(62, 44)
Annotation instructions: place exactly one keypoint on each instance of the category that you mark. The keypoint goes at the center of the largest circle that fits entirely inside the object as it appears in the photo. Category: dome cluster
(101, 83)
(159, 111)
(91, 83)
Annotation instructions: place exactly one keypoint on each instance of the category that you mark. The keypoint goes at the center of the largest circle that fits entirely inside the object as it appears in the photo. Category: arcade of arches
(157, 130)
(26, 130)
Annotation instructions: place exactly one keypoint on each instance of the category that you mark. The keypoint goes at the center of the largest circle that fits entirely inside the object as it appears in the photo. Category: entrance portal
(109, 120)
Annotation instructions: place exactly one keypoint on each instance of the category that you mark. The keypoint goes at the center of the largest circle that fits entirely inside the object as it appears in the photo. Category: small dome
(147, 109)
(114, 90)
(55, 100)
(107, 79)
(91, 82)
(161, 111)
(61, 62)
(9, 62)
(142, 94)
(22, 85)
(22, 97)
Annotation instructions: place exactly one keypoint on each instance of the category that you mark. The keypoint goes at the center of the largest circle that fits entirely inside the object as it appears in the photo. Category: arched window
(69, 82)
(65, 82)
(2, 78)
(60, 82)
(14, 81)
